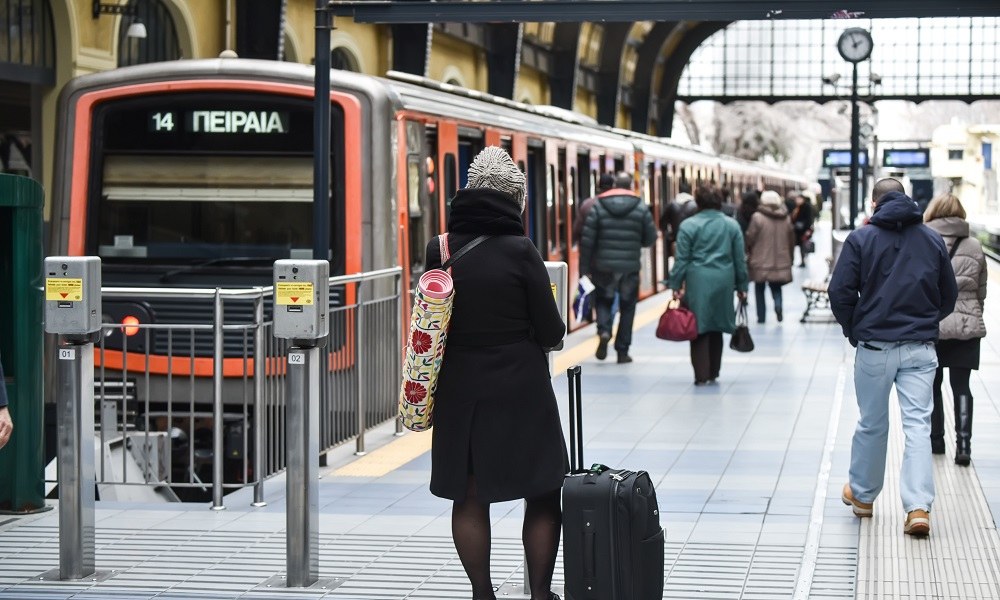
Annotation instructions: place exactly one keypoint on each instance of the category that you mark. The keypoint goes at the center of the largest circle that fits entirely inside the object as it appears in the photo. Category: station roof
(629, 54)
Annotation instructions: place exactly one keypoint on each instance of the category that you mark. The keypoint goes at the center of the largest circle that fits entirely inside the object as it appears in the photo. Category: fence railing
(196, 406)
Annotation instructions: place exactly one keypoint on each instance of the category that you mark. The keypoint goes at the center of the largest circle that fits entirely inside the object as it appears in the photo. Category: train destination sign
(906, 157)
(842, 158)
(221, 121)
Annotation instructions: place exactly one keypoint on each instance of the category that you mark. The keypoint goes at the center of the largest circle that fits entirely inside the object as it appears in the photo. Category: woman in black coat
(497, 432)
(802, 220)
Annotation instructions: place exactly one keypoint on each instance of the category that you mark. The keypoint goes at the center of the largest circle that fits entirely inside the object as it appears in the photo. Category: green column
(22, 468)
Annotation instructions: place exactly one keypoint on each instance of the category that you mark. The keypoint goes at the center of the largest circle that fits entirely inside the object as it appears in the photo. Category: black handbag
(741, 340)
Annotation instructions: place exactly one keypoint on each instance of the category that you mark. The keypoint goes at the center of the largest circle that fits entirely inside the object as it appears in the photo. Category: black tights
(959, 379)
(470, 528)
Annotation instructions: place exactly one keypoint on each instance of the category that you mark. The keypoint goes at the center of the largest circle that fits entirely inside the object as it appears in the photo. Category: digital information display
(221, 121)
(211, 123)
(842, 158)
(906, 157)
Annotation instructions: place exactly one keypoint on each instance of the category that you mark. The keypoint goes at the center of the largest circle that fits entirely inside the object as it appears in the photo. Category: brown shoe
(861, 509)
(918, 523)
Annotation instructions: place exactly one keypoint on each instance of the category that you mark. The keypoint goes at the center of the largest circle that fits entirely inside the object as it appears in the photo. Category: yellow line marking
(401, 451)
(579, 352)
(388, 458)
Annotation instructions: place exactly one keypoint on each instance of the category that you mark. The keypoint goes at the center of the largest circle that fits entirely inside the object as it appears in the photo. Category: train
(199, 173)
(193, 172)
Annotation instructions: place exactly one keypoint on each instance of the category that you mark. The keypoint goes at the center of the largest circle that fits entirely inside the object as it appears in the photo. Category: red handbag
(677, 324)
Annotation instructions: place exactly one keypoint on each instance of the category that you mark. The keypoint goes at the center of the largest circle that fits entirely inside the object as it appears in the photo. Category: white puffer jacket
(969, 263)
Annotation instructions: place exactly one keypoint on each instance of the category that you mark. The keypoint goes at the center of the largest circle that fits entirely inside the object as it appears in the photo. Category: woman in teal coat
(709, 266)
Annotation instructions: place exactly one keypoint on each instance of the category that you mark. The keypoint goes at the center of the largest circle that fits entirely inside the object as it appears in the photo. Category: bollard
(301, 308)
(76, 476)
(302, 475)
(73, 310)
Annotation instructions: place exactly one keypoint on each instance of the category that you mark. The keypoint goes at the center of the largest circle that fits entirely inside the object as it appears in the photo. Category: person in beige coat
(770, 243)
(960, 332)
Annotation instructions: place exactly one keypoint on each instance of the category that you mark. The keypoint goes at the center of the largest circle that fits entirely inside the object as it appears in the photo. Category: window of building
(955, 154)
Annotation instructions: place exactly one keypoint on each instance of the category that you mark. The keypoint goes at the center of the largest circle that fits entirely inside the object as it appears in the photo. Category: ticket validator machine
(73, 311)
(301, 315)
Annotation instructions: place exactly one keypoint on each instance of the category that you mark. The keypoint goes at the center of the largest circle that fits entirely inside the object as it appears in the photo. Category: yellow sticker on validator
(63, 290)
(297, 293)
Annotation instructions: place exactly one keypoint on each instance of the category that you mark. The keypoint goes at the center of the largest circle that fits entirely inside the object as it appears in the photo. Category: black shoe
(602, 346)
(777, 311)
(624, 358)
(761, 321)
(937, 445)
(701, 382)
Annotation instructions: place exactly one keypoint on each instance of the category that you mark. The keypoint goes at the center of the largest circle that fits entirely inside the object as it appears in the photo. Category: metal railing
(174, 419)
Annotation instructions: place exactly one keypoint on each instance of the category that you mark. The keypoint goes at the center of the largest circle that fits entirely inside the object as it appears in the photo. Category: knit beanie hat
(493, 168)
(770, 198)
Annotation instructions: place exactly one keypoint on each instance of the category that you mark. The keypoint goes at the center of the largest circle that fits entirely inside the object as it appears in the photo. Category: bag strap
(954, 247)
(449, 261)
(741, 314)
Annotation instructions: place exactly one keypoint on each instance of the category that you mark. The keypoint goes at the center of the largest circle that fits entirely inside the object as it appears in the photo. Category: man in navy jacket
(892, 285)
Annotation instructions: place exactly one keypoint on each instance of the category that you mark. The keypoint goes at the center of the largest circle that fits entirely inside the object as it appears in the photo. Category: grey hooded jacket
(969, 263)
(617, 229)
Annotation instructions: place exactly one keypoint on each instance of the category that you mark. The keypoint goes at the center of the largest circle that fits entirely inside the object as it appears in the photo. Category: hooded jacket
(617, 228)
(770, 242)
(969, 263)
(893, 280)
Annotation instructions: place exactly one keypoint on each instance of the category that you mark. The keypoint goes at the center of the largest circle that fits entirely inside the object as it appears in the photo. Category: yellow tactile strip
(389, 457)
(960, 559)
(408, 447)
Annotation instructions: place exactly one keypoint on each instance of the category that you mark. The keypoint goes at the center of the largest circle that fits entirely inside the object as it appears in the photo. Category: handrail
(246, 293)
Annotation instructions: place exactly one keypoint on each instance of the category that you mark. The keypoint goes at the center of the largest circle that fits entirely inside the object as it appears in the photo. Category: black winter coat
(495, 414)
(617, 229)
(893, 281)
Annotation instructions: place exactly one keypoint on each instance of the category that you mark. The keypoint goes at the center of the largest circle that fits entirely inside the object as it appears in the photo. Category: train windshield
(190, 178)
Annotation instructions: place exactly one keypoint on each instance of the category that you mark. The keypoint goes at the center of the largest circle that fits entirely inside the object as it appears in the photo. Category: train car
(198, 174)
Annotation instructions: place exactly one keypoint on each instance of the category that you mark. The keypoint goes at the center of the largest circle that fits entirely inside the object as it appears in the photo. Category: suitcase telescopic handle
(575, 418)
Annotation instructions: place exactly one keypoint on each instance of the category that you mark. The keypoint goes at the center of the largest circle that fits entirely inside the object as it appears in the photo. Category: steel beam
(563, 11)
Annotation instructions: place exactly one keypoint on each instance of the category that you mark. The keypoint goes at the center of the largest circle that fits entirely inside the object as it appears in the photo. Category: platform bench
(816, 298)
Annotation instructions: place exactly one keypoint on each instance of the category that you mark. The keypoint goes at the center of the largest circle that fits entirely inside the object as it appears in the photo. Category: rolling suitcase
(612, 539)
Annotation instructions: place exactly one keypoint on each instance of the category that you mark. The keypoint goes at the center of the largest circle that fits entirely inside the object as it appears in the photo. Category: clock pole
(855, 146)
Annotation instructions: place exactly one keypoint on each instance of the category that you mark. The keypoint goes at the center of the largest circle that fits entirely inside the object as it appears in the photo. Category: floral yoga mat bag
(432, 302)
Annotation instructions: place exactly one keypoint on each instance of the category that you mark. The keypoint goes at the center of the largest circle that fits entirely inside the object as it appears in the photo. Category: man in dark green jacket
(615, 232)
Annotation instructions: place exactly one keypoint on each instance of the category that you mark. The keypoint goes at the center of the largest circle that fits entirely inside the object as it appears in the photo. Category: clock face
(855, 44)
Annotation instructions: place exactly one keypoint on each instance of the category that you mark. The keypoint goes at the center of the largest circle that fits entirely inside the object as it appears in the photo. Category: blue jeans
(911, 366)
(759, 292)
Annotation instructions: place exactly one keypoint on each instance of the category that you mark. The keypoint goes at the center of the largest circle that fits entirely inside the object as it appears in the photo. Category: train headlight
(130, 325)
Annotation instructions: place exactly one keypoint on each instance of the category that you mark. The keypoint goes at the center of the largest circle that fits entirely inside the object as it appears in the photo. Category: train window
(507, 144)
(552, 215)
(574, 202)
(583, 190)
(194, 177)
(470, 143)
(535, 213)
(450, 172)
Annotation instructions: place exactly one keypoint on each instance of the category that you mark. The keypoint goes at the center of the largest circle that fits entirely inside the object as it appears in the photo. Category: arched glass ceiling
(918, 59)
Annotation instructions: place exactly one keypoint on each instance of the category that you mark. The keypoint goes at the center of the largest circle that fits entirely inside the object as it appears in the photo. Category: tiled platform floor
(748, 474)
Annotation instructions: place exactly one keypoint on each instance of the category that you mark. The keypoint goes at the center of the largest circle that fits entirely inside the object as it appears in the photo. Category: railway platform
(748, 475)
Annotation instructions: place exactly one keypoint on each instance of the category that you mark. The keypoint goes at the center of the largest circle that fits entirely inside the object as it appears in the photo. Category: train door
(447, 161)
(555, 202)
(538, 190)
(645, 180)
(420, 214)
